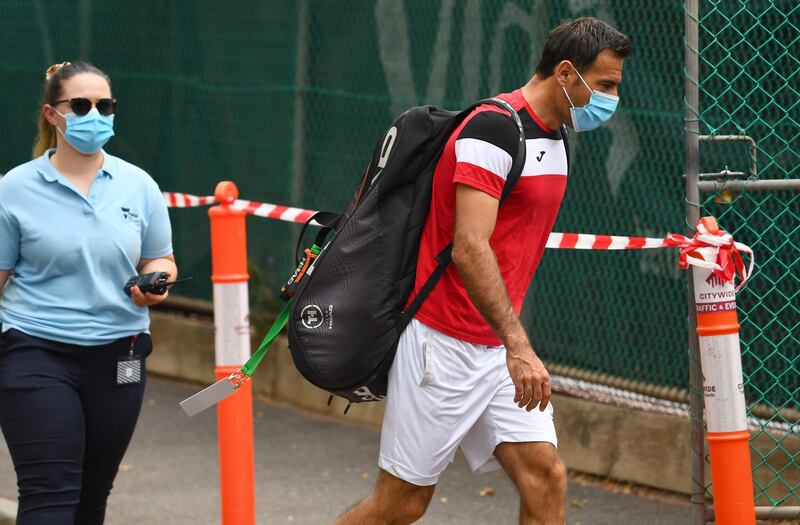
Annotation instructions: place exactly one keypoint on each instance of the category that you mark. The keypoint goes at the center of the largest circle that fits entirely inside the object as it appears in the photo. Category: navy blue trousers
(67, 424)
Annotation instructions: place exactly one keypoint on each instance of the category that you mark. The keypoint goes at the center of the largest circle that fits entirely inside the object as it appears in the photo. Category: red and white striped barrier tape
(578, 241)
(585, 241)
(260, 209)
(728, 260)
(184, 200)
(273, 211)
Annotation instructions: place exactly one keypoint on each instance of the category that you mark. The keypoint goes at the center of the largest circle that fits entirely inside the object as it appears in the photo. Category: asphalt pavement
(308, 470)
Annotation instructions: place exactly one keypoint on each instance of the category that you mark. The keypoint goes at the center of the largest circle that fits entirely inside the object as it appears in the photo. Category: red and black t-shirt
(479, 154)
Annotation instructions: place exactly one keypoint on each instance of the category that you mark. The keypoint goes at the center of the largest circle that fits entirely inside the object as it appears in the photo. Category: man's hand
(531, 380)
(146, 299)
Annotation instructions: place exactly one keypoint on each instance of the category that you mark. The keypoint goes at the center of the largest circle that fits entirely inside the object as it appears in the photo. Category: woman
(75, 224)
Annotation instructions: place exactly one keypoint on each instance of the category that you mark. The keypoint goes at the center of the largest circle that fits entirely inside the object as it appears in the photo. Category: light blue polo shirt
(72, 255)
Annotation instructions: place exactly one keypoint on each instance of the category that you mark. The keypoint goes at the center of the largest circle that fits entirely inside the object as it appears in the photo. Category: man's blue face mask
(600, 108)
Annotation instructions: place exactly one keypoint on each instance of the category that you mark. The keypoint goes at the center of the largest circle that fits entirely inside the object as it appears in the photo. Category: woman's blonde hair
(53, 82)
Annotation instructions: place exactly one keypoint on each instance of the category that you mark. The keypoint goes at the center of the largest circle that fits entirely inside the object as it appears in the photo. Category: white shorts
(445, 393)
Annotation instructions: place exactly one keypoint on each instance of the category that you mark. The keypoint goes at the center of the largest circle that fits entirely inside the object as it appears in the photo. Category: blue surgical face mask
(600, 108)
(88, 133)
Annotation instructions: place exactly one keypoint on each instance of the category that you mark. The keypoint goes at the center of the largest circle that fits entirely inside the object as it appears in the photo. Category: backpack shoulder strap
(519, 159)
(444, 257)
(565, 137)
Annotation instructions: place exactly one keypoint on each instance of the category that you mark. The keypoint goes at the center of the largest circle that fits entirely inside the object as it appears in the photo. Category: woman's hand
(146, 299)
(162, 264)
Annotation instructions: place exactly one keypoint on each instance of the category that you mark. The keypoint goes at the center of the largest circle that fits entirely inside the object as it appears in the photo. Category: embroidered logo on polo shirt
(129, 214)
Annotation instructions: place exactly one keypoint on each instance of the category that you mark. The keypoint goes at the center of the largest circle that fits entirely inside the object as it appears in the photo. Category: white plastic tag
(208, 397)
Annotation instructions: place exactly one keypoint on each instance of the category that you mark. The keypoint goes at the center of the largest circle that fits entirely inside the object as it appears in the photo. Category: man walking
(465, 373)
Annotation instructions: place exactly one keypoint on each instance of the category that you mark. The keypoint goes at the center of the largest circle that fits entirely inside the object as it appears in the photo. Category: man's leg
(437, 390)
(524, 444)
(393, 502)
(541, 480)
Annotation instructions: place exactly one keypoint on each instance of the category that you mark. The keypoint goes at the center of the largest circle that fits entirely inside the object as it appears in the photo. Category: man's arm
(475, 217)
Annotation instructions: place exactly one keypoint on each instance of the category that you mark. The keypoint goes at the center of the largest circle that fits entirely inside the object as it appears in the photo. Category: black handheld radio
(154, 283)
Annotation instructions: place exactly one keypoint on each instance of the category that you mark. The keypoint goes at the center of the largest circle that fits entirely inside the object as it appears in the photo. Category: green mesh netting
(288, 98)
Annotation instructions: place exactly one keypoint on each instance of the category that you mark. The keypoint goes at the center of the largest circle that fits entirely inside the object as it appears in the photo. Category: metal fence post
(692, 157)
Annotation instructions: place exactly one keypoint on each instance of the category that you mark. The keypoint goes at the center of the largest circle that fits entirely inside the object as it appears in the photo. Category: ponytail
(46, 137)
(55, 76)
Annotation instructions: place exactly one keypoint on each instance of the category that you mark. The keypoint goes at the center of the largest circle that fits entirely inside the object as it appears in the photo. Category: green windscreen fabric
(288, 98)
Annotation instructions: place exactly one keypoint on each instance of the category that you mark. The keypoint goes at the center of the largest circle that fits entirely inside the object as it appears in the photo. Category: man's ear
(562, 71)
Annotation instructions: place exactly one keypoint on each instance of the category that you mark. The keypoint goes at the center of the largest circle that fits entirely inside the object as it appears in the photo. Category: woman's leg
(111, 412)
(42, 421)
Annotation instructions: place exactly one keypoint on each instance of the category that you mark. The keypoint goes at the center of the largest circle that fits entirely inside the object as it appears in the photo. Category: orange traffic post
(723, 386)
(232, 347)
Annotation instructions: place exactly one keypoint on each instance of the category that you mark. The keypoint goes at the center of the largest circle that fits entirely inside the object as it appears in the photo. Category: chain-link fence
(750, 87)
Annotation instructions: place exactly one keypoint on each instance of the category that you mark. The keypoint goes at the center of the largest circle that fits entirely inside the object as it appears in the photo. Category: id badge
(129, 370)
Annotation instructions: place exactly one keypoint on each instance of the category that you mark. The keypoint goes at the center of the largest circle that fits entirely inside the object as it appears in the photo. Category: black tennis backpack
(348, 311)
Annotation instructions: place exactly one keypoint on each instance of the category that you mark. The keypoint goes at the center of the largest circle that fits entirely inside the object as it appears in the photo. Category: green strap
(250, 366)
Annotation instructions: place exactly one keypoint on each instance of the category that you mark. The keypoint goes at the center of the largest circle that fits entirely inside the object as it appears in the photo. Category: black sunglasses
(81, 106)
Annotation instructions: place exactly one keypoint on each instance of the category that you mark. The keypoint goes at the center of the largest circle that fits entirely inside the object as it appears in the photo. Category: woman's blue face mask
(600, 108)
(88, 133)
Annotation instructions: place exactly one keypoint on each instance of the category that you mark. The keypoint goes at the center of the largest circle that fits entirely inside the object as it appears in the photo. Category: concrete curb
(8, 511)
